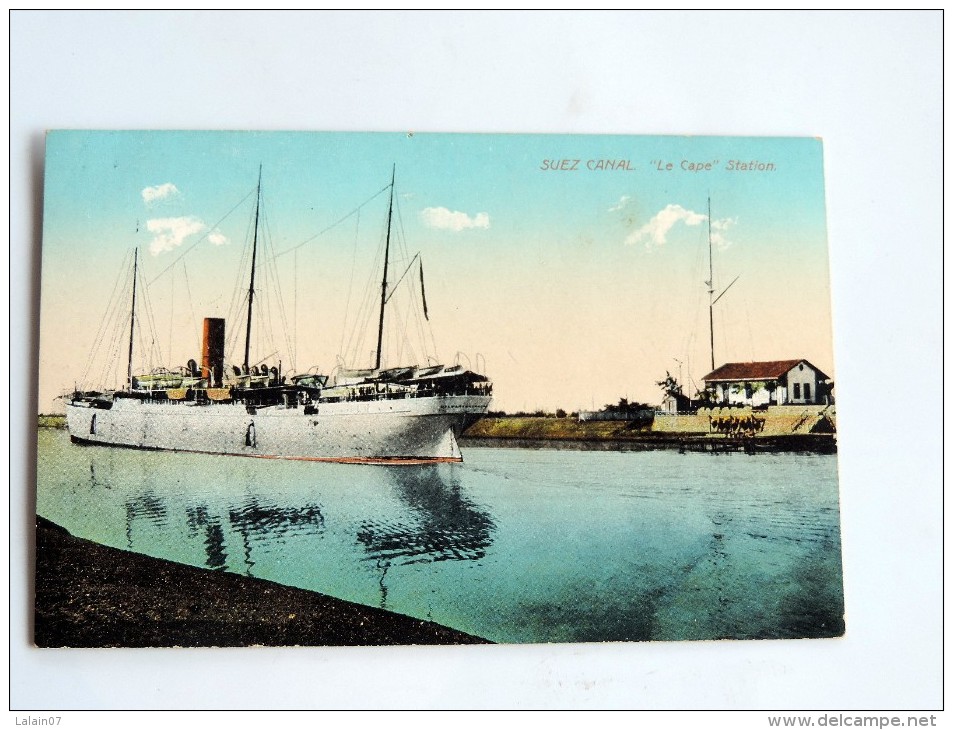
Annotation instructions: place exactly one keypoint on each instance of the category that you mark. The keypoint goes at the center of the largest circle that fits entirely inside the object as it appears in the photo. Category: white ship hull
(416, 429)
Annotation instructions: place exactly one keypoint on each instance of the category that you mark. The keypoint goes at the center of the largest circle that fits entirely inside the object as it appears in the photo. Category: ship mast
(712, 299)
(251, 285)
(380, 326)
(132, 315)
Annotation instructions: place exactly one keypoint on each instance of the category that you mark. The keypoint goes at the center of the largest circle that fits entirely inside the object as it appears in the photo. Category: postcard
(319, 389)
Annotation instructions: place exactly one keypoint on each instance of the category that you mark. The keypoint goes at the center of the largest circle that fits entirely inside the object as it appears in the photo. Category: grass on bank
(556, 428)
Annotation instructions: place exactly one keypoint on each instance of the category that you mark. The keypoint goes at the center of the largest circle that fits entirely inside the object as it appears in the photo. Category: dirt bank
(89, 595)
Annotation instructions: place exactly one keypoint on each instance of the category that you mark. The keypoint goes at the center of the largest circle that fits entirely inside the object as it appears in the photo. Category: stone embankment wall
(777, 420)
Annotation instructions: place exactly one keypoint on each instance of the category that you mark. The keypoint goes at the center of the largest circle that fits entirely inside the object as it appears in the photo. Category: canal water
(513, 545)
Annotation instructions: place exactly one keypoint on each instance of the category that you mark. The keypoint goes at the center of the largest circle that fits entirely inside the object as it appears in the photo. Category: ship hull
(376, 431)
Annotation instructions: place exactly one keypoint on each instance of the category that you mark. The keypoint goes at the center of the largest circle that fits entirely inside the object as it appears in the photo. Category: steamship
(365, 415)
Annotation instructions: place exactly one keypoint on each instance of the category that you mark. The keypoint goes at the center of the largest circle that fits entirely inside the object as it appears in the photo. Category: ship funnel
(213, 350)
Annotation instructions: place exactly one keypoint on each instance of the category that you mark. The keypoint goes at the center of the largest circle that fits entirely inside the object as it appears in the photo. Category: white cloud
(217, 238)
(170, 233)
(453, 220)
(159, 192)
(623, 201)
(719, 228)
(655, 232)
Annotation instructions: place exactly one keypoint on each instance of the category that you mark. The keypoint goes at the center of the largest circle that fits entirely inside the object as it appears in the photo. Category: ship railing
(397, 392)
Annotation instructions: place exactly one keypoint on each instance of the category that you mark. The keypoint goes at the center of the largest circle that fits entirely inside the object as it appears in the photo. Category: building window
(807, 392)
(797, 391)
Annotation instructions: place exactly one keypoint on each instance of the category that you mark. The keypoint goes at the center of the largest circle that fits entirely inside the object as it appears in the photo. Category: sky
(569, 280)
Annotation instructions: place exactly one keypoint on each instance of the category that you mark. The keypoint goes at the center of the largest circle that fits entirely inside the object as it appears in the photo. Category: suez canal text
(733, 165)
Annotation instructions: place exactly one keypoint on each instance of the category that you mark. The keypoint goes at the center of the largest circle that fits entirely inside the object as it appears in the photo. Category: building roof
(771, 370)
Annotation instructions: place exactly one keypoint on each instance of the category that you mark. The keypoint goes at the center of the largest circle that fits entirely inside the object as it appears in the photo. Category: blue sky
(575, 286)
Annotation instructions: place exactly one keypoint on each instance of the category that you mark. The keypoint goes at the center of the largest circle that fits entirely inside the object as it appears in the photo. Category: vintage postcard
(409, 388)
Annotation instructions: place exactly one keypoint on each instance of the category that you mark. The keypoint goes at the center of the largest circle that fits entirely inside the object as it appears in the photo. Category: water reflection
(449, 526)
(197, 517)
(253, 521)
(515, 546)
(215, 546)
(147, 506)
(266, 523)
(94, 481)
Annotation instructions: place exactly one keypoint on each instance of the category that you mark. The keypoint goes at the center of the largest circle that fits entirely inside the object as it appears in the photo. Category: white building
(778, 382)
(675, 403)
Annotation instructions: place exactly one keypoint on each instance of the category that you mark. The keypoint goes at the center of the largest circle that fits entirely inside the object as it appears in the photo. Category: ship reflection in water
(255, 521)
(262, 523)
(512, 545)
(446, 525)
(439, 523)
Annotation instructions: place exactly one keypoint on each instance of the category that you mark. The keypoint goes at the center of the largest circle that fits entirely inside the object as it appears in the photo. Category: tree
(706, 398)
(624, 406)
(670, 386)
